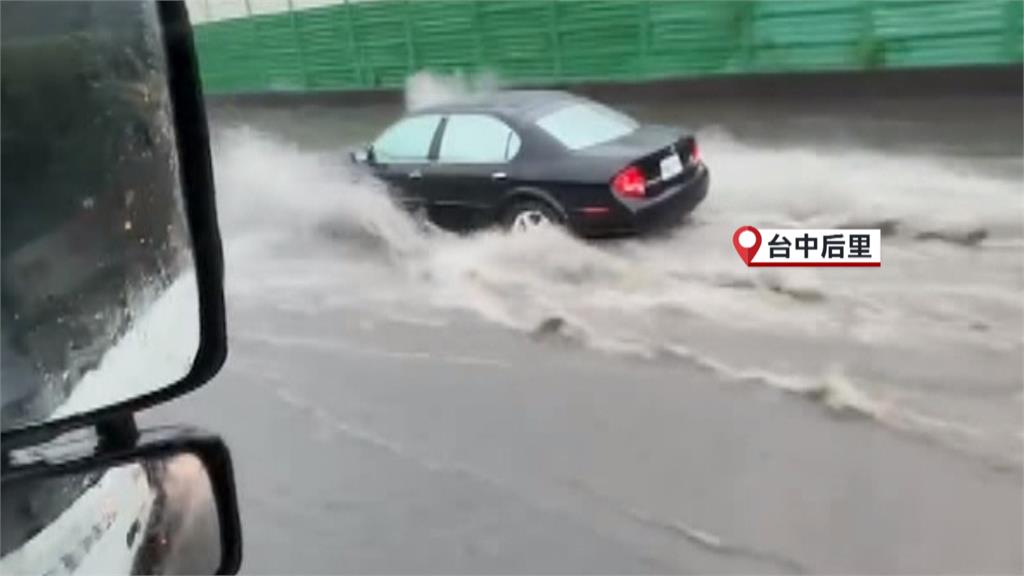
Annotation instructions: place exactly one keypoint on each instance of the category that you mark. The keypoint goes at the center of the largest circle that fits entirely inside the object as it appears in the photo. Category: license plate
(671, 166)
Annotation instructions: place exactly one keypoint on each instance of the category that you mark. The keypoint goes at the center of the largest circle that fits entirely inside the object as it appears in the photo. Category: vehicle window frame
(442, 120)
(436, 156)
(508, 142)
(435, 144)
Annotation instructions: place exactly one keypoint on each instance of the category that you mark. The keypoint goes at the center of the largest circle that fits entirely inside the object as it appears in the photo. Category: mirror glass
(156, 516)
(99, 298)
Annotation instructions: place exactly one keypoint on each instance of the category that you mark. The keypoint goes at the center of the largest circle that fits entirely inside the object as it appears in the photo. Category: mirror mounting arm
(117, 432)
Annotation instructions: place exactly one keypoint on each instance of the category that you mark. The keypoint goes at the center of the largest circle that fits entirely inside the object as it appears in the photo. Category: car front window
(408, 140)
(580, 126)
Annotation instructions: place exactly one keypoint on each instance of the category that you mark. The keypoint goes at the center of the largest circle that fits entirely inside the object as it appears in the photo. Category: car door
(400, 155)
(471, 173)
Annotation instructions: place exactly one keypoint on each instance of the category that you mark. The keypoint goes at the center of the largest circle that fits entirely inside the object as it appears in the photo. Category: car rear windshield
(579, 126)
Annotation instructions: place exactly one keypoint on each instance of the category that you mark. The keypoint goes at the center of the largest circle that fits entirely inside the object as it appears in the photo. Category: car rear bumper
(665, 211)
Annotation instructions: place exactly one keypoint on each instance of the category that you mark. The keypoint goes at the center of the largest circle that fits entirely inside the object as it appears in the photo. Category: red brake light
(695, 152)
(630, 183)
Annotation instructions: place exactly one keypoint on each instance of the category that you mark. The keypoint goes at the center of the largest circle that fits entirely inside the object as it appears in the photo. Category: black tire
(523, 207)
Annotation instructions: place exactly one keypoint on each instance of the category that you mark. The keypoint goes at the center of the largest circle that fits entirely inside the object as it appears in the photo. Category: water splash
(428, 89)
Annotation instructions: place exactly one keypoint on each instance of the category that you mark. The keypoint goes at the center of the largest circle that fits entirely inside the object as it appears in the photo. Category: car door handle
(415, 175)
(499, 176)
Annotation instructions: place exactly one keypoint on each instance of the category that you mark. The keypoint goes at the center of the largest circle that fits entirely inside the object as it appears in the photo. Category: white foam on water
(815, 187)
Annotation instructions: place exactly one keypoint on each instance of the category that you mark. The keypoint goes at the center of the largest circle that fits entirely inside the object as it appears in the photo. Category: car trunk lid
(653, 150)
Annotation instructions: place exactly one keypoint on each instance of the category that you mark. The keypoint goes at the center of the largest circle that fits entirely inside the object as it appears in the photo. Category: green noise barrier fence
(361, 45)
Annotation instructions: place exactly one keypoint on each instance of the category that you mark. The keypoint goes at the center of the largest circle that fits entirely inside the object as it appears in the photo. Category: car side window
(478, 139)
(407, 141)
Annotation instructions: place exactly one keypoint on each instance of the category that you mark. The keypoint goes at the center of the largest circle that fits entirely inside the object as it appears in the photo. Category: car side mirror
(165, 505)
(363, 155)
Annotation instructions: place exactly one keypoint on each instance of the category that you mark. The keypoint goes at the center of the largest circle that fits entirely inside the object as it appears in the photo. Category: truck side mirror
(112, 285)
(112, 264)
(163, 506)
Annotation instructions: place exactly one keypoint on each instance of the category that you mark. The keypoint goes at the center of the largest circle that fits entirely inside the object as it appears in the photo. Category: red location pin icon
(746, 240)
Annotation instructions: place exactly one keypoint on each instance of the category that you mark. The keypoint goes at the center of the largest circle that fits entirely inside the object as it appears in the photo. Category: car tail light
(694, 153)
(630, 183)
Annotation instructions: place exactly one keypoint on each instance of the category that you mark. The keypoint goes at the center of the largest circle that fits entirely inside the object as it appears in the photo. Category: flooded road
(406, 400)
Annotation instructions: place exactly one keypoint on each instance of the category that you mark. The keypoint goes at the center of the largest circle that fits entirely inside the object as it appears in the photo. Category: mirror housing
(164, 504)
(187, 119)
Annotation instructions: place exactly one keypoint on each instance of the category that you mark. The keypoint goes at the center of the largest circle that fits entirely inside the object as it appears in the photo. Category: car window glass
(579, 126)
(477, 138)
(408, 140)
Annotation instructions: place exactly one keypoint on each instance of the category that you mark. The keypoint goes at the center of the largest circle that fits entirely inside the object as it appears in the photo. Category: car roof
(523, 104)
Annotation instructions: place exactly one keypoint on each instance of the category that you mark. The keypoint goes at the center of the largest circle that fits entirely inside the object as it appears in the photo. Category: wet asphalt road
(395, 449)
(369, 441)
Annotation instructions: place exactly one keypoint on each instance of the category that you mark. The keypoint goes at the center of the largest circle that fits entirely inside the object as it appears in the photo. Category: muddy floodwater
(404, 399)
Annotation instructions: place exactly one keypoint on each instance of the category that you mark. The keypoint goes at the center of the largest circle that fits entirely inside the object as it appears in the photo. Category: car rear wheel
(529, 216)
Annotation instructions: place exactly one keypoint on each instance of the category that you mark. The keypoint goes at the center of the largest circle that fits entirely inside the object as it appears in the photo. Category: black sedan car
(524, 159)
